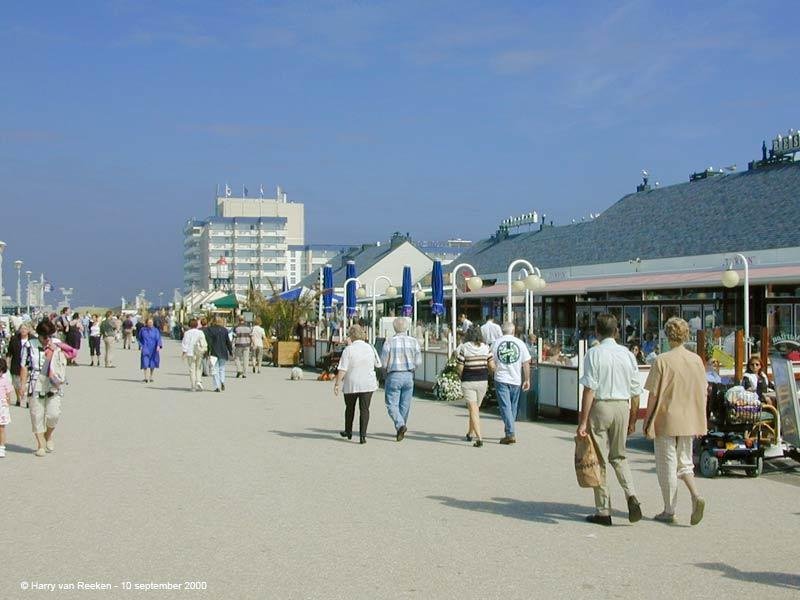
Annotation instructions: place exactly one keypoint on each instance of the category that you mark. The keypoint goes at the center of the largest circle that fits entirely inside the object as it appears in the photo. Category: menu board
(786, 393)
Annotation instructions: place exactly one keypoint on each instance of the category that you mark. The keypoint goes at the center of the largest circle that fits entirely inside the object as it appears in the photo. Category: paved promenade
(254, 492)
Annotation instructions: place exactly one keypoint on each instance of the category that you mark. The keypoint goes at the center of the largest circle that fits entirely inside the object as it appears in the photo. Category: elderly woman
(150, 345)
(356, 379)
(676, 412)
(475, 362)
(45, 408)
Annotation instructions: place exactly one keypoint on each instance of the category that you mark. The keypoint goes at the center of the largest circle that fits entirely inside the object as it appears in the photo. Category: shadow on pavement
(322, 434)
(539, 512)
(18, 449)
(422, 436)
(781, 580)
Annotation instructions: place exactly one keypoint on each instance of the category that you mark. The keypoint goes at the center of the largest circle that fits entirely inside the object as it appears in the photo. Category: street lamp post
(419, 294)
(28, 275)
(474, 283)
(18, 265)
(531, 282)
(359, 294)
(390, 290)
(730, 279)
(2, 291)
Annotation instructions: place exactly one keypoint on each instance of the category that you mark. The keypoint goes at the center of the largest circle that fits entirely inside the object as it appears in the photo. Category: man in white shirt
(464, 323)
(490, 330)
(512, 373)
(257, 337)
(610, 402)
(194, 347)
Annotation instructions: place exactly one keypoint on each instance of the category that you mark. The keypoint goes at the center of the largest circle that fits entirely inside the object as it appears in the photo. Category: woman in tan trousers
(676, 413)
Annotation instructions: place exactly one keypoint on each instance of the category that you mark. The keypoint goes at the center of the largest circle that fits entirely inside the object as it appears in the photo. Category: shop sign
(786, 393)
(788, 144)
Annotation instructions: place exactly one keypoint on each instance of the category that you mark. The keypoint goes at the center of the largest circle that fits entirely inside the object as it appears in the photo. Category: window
(779, 320)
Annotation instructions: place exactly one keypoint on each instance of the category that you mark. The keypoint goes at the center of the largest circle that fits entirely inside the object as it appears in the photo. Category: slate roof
(753, 210)
(364, 256)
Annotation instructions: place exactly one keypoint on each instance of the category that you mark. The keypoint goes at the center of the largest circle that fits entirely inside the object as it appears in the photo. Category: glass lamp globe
(532, 282)
(419, 294)
(730, 278)
(475, 283)
(541, 283)
(518, 285)
(361, 292)
(391, 291)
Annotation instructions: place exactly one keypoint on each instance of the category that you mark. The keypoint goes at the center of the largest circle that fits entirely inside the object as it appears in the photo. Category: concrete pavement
(253, 492)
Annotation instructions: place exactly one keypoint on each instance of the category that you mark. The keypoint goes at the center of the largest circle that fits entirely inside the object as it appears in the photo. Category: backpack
(200, 346)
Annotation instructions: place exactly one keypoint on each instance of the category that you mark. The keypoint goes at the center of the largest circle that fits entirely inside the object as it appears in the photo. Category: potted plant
(279, 318)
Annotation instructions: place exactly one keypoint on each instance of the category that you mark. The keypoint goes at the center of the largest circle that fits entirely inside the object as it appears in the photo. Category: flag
(227, 191)
(261, 190)
(244, 189)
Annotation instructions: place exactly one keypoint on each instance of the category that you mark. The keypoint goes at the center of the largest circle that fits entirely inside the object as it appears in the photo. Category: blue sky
(119, 118)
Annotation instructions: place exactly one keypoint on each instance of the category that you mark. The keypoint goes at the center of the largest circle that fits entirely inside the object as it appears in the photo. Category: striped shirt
(401, 353)
(475, 360)
(242, 336)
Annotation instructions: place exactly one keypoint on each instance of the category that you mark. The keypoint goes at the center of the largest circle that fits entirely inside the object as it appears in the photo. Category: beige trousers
(44, 412)
(242, 356)
(258, 356)
(195, 364)
(673, 460)
(608, 425)
(108, 344)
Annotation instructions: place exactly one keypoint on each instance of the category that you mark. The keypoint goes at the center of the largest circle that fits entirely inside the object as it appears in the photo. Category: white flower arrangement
(448, 387)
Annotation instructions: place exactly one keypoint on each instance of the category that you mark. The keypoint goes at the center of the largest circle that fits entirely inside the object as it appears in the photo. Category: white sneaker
(199, 387)
(50, 445)
(39, 452)
(2, 451)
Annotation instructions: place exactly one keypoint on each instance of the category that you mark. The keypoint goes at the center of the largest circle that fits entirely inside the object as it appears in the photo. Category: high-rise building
(246, 240)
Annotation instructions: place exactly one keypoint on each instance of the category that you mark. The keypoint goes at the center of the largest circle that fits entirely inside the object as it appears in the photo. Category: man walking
(219, 347)
(258, 336)
(512, 374)
(108, 330)
(127, 332)
(490, 330)
(400, 356)
(611, 390)
(194, 348)
(243, 336)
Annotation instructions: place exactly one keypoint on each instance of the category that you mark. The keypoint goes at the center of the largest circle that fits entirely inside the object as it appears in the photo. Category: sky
(119, 118)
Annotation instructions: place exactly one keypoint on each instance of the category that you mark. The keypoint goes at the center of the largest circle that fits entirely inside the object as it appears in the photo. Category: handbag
(587, 467)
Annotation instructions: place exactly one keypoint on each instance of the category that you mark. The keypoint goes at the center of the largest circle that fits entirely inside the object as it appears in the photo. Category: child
(6, 389)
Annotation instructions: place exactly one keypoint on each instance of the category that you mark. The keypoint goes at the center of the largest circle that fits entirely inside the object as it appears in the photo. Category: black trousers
(363, 399)
(94, 345)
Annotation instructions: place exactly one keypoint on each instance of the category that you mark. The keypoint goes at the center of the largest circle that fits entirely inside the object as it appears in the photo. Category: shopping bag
(587, 467)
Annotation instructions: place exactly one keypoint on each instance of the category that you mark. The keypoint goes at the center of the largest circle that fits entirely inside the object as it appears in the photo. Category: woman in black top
(19, 354)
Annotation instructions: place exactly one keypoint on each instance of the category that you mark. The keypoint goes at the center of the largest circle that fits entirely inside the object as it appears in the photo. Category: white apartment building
(302, 260)
(246, 240)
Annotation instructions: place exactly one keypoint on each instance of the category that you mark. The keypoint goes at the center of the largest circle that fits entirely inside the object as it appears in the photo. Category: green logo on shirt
(507, 352)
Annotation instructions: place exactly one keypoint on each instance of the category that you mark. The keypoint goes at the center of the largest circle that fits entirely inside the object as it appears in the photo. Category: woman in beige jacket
(676, 413)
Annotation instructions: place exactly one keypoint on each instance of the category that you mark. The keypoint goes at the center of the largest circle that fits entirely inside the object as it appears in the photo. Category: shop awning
(228, 301)
(646, 281)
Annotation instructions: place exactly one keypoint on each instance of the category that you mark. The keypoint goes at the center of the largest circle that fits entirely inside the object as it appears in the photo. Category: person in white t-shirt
(257, 337)
(512, 373)
(194, 347)
(490, 330)
(356, 379)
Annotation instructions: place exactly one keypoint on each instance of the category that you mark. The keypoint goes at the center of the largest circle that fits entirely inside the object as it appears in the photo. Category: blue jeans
(218, 372)
(399, 389)
(508, 402)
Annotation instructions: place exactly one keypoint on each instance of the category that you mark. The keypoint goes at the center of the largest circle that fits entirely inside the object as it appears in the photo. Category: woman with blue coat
(149, 339)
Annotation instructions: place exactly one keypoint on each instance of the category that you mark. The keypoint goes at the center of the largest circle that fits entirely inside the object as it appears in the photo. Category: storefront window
(712, 317)
(650, 321)
(674, 294)
(692, 314)
(783, 291)
(632, 324)
(779, 320)
(797, 320)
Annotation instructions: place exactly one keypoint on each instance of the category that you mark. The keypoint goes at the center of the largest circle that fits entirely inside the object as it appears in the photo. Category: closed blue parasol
(437, 289)
(327, 289)
(285, 285)
(408, 298)
(349, 273)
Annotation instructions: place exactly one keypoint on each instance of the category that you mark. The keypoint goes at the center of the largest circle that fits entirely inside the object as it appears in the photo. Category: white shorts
(474, 391)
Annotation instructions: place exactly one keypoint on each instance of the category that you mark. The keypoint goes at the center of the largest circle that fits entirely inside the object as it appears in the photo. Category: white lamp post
(531, 282)
(18, 265)
(475, 283)
(390, 290)
(730, 279)
(419, 294)
(2, 291)
(28, 275)
(360, 293)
